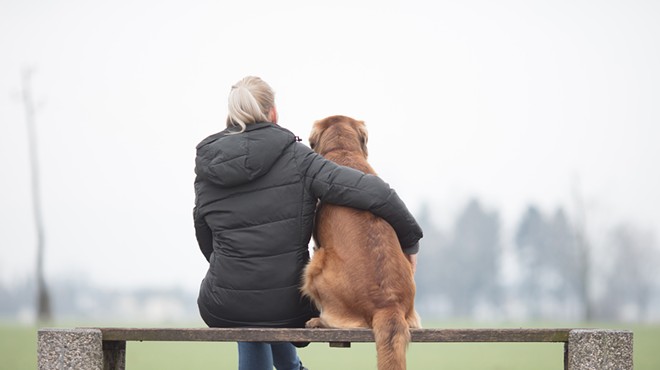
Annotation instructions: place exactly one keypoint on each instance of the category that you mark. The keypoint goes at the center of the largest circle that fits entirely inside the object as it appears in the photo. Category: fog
(514, 103)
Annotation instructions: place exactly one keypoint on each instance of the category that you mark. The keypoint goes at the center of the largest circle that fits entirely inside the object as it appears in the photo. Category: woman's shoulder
(212, 138)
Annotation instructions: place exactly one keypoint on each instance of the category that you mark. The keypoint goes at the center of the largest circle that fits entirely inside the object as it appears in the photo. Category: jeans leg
(285, 356)
(254, 356)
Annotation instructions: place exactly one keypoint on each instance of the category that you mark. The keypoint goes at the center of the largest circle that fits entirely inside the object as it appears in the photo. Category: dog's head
(339, 133)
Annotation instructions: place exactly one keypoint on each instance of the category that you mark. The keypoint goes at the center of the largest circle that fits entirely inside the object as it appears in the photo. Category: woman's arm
(349, 187)
(203, 234)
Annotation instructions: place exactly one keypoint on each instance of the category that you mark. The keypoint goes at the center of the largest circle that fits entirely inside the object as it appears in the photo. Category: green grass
(319, 356)
(18, 351)
(18, 347)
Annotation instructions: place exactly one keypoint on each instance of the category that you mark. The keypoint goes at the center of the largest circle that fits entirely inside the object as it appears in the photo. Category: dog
(358, 276)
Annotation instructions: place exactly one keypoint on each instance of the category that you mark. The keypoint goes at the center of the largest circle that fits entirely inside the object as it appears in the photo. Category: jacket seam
(257, 224)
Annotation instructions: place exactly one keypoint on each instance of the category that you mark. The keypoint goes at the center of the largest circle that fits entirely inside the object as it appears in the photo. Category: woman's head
(251, 100)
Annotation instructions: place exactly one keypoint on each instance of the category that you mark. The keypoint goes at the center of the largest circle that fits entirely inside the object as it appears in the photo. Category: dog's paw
(314, 323)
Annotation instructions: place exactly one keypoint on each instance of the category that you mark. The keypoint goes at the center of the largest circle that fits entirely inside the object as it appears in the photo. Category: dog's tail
(392, 335)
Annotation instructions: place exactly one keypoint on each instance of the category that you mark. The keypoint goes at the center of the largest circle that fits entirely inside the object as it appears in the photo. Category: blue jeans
(263, 356)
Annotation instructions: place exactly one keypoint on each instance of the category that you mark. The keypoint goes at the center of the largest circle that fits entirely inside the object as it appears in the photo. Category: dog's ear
(314, 135)
(363, 136)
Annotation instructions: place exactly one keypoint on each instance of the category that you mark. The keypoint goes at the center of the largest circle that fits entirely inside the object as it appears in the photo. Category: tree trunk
(44, 313)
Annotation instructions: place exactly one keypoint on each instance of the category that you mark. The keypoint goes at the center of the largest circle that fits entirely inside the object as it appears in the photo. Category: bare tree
(44, 313)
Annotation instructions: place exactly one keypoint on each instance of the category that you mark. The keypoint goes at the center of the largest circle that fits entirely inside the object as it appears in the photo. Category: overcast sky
(514, 102)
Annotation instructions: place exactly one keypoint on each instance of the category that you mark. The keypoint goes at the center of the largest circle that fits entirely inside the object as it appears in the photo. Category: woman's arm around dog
(345, 186)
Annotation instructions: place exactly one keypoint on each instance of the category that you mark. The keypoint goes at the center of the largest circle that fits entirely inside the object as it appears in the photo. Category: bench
(105, 348)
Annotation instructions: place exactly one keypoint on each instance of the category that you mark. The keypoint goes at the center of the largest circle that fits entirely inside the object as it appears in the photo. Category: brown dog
(359, 277)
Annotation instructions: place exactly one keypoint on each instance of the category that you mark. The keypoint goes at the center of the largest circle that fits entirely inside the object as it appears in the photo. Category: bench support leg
(114, 355)
(70, 349)
(599, 349)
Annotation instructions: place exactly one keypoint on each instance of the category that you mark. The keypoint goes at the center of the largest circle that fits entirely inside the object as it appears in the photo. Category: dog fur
(359, 276)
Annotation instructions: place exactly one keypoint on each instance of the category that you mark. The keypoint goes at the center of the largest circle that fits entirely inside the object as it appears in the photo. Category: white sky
(510, 101)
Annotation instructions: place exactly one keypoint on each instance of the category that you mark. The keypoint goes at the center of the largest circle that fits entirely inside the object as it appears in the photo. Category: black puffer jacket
(256, 194)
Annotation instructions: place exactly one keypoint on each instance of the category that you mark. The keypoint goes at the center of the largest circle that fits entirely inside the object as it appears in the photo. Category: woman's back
(251, 194)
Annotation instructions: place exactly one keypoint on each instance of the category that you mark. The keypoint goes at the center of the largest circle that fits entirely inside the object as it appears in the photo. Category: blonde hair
(250, 100)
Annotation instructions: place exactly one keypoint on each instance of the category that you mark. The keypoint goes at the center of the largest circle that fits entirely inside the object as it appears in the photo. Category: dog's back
(359, 276)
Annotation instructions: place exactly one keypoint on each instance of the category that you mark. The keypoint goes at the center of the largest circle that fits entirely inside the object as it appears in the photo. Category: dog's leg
(414, 321)
(315, 323)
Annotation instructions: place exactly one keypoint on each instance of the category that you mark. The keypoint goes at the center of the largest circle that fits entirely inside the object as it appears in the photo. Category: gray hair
(250, 100)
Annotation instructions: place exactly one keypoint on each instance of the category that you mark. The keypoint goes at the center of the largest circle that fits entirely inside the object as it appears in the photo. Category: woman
(256, 193)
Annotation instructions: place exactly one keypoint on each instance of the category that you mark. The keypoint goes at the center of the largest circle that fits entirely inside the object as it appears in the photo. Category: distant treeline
(550, 269)
(80, 301)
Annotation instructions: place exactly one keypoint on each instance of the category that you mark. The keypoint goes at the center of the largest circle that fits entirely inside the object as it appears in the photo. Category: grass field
(18, 352)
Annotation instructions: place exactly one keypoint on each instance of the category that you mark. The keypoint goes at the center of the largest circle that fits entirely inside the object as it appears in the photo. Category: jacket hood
(228, 159)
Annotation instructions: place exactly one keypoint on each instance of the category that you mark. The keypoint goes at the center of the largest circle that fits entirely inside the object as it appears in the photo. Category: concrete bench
(105, 348)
